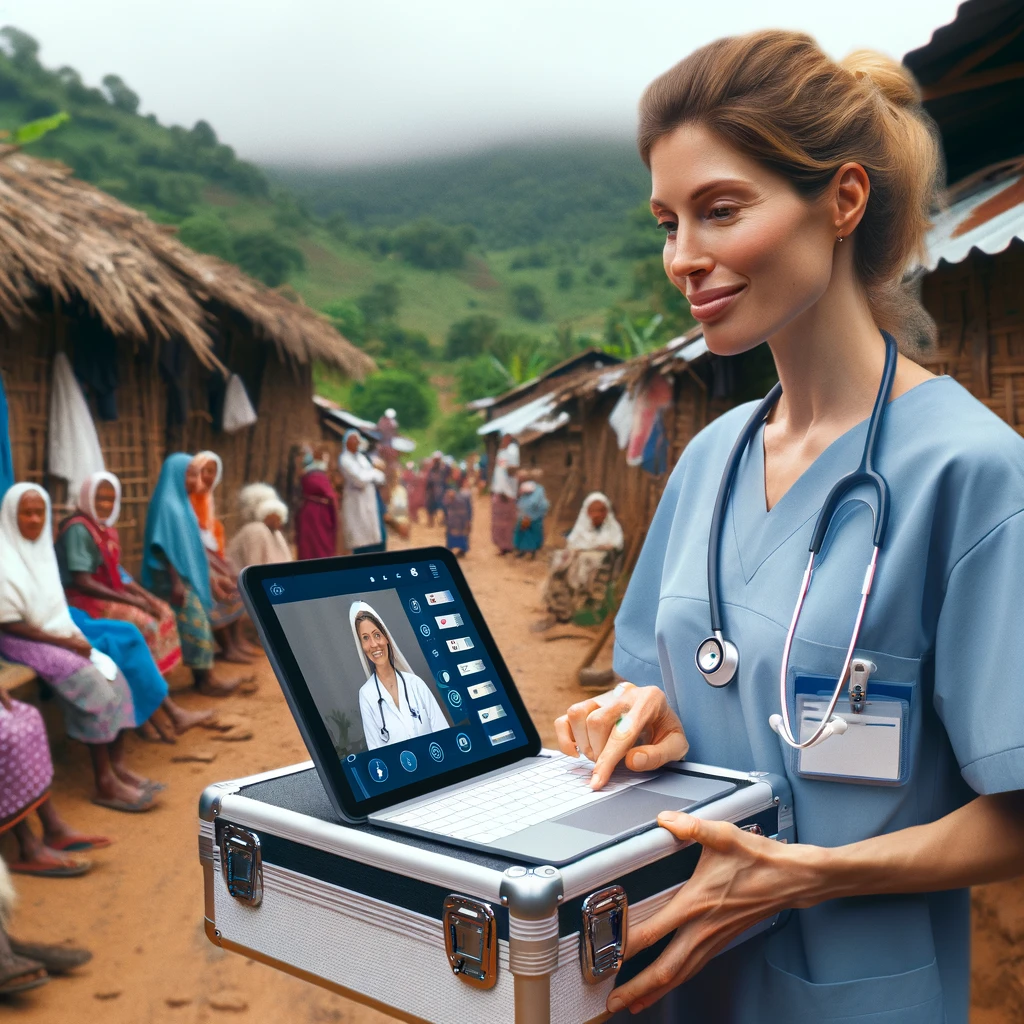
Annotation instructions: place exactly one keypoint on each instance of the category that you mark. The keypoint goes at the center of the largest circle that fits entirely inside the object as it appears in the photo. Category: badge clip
(860, 671)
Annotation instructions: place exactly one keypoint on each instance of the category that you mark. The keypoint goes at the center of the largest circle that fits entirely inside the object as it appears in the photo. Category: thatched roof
(61, 235)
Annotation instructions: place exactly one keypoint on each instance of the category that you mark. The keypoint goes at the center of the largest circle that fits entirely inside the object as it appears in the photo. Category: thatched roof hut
(82, 273)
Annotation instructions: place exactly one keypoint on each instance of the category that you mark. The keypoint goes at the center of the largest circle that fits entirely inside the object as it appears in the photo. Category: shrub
(263, 255)
(381, 302)
(396, 389)
(482, 377)
(207, 233)
(471, 336)
(564, 280)
(349, 319)
(528, 302)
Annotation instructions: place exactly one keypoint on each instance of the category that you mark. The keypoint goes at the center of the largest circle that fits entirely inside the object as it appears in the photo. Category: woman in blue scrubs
(794, 194)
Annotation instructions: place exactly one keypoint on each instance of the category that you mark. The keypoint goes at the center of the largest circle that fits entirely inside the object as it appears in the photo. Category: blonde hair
(777, 97)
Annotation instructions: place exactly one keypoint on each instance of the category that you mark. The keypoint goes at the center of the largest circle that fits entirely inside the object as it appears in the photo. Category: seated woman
(394, 703)
(25, 776)
(582, 571)
(99, 588)
(36, 629)
(175, 568)
(205, 472)
(458, 512)
(531, 507)
(260, 541)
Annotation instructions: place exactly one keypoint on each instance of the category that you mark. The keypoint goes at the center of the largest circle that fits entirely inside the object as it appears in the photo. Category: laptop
(415, 724)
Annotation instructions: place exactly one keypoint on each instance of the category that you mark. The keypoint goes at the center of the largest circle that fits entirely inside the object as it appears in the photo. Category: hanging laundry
(238, 410)
(621, 418)
(654, 395)
(655, 457)
(74, 448)
(6, 459)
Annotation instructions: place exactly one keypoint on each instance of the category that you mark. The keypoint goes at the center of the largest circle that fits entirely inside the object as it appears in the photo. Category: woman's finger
(563, 733)
(624, 732)
(577, 716)
(649, 756)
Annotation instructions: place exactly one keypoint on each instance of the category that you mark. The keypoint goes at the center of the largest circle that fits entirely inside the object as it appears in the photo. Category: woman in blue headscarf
(174, 567)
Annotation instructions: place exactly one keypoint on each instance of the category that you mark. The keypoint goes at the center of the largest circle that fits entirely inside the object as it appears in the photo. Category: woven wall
(135, 444)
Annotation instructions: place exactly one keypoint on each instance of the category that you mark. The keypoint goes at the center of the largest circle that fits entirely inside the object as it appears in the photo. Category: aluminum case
(358, 909)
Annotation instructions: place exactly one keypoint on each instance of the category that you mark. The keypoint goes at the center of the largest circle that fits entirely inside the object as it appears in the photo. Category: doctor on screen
(394, 703)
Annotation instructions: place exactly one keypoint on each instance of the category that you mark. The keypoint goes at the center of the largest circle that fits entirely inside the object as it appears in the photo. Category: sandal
(56, 959)
(19, 975)
(75, 843)
(56, 866)
(144, 803)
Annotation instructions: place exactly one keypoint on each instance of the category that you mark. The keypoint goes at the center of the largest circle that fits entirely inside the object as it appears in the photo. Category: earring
(839, 238)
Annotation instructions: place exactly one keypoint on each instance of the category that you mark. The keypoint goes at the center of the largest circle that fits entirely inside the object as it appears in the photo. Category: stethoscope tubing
(385, 732)
(864, 474)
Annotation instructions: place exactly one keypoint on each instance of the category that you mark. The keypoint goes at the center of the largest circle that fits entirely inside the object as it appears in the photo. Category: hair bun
(890, 78)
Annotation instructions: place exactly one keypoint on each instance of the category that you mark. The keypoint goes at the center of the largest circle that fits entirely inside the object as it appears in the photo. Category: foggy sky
(334, 82)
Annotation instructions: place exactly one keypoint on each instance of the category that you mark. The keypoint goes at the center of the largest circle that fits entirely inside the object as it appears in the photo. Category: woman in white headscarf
(394, 703)
(360, 511)
(260, 540)
(582, 570)
(37, 630)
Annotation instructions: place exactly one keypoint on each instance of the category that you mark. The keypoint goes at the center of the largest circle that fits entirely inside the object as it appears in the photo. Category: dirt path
(140, 910)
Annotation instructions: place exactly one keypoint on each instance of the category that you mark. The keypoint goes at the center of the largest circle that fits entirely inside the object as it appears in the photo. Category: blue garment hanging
(6, 459)
(171, 526)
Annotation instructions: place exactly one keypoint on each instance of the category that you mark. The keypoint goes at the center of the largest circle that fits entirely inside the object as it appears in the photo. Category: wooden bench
(14, 676)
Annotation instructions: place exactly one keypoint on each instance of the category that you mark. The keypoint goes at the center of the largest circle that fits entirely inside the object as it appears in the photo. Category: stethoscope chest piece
(717, 660)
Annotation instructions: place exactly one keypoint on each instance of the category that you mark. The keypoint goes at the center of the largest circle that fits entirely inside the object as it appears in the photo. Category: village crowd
(103, 641)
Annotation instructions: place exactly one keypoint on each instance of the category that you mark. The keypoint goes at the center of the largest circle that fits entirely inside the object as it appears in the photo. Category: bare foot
(115, 788)
(148, 732)
(211, 687)
(235, 656)
(184, 720)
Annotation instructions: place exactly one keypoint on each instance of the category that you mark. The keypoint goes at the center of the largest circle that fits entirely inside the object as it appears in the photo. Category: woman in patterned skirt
(36, 629)
(25, 776)
(95, 582)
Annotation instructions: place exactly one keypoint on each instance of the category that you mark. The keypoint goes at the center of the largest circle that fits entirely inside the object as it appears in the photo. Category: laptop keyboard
(514, 801)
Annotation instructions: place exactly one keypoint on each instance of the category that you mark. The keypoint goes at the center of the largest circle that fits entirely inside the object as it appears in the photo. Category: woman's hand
(222, 587)
(79, 645)
(739, 880)
(6, 701)
(177, 594)
(631, 722)
(524, 523)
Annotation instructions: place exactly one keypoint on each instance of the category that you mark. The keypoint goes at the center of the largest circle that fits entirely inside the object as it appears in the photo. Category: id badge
(872, 750)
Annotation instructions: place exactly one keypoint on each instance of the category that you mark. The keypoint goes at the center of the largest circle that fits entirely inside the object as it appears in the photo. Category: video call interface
(397, 671)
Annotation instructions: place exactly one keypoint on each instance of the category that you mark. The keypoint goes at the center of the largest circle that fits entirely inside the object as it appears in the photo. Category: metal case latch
(860, 673)
(603, 934)
(242, 863)
(471, 940)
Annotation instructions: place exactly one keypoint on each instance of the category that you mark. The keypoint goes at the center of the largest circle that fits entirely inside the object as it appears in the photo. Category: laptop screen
(400, 668)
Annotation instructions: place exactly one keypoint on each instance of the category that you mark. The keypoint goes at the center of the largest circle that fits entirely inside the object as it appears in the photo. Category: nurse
(394, 703)
(794, 194)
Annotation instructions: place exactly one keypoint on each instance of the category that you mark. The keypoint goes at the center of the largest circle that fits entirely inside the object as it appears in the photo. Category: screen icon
(413, 572)
(455, 698)
(398, 575)
(435, 653)
(425, 629)
(463, 743)
(436, 752)
(444, 677)
(276, 589)
(440, 597)
(481, 690)
(433, 570)
(467, 668)
(501, 737)
(383, 577)
(414, 606)
(492, 713)
(372, 580)
(378, 770)
(408, 759)
(464, 643)
(448, 621)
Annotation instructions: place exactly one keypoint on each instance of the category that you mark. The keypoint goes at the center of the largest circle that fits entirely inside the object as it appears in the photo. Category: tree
(381, 302)
(457, 434)
(337, 226)
(528, 302)
(121, 96)
(564, 279)
(434, 246)
(263, 255)
(203, 134)
(349, 320)
(471, 336)
(20, 47)
(207, 233)
(482, 377)
(393, 389)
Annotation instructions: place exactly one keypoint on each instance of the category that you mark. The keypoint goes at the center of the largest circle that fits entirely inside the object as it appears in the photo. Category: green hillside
(461, 276)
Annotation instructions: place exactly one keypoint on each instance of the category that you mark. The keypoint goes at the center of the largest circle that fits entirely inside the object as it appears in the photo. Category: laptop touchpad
(642, 804)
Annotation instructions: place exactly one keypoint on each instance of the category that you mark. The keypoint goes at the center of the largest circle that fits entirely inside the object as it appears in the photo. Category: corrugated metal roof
(526, 417)
(988, 218)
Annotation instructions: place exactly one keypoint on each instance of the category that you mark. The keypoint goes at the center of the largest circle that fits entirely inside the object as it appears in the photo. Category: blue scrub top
(943, 618)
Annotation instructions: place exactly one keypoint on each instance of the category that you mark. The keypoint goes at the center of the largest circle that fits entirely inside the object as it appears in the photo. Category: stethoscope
(385, 733)
(717, 658)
